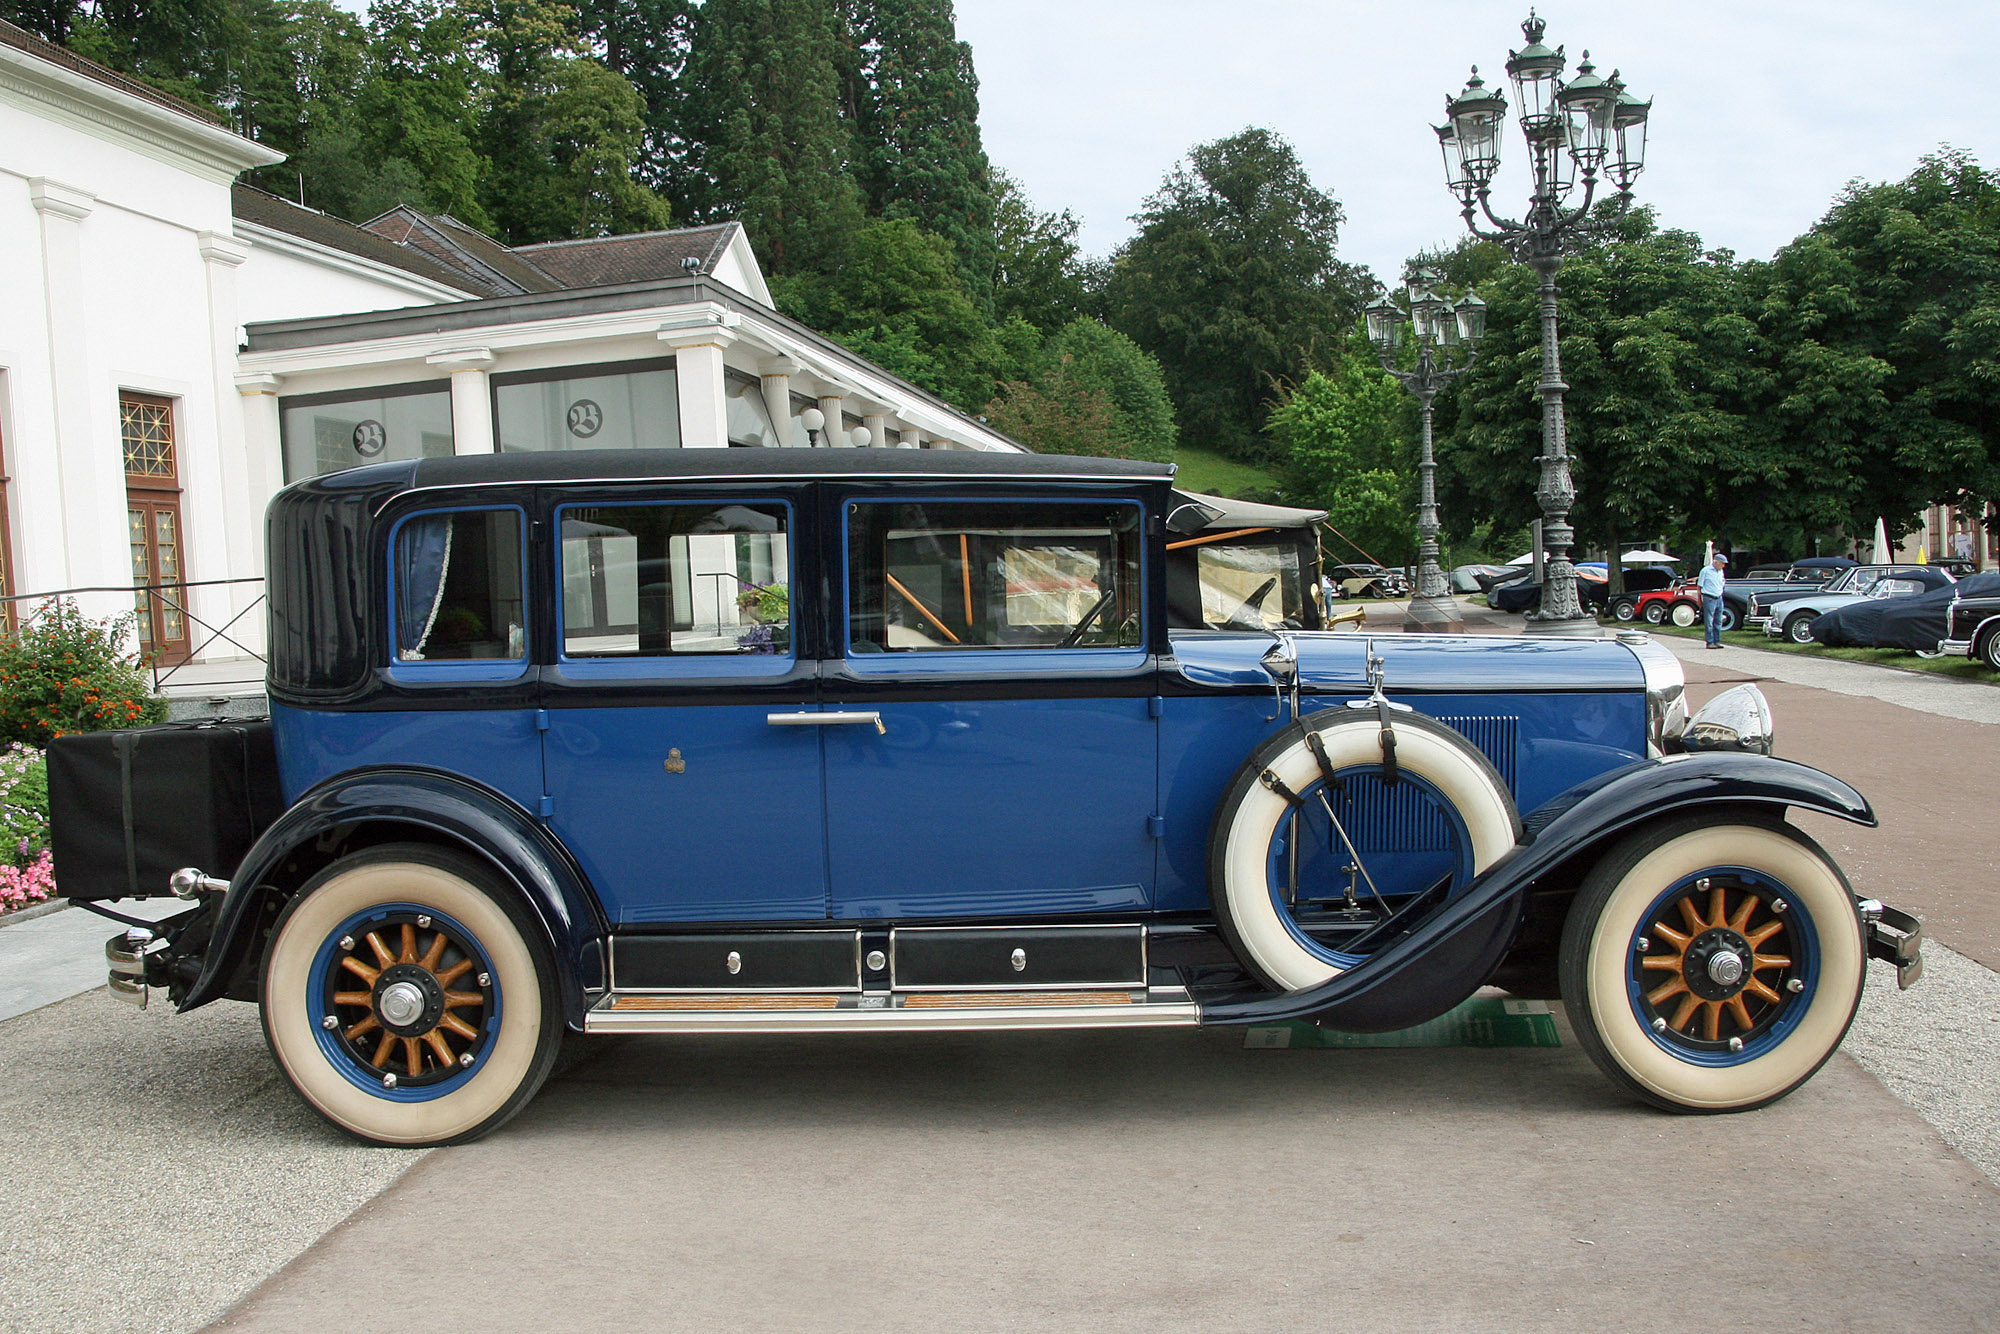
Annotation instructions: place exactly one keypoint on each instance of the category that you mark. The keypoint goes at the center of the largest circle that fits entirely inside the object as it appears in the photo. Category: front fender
(438, 806)
(1454, 952)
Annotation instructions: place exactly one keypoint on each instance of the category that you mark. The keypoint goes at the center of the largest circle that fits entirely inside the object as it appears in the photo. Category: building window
(622, 405)
(153, 524)
(749, 418)
(328, 432)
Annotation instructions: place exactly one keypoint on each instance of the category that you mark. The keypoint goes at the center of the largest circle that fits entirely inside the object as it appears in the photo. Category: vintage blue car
(829, 741)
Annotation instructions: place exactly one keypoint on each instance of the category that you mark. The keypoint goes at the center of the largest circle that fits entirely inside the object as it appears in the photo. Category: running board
(883, 1012)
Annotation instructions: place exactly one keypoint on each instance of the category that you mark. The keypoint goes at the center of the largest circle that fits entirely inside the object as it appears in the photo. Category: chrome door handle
(826, 719)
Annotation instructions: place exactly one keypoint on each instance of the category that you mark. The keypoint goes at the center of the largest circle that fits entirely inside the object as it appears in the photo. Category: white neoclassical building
(175, 346)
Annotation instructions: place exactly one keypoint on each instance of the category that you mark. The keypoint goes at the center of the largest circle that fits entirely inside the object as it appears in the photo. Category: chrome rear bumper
(1896, 937)
(126, 955)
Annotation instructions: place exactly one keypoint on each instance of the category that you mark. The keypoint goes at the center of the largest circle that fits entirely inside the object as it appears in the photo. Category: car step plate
(788, 1012)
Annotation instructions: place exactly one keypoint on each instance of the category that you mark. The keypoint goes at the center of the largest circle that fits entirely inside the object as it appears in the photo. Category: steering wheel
(1069, 640)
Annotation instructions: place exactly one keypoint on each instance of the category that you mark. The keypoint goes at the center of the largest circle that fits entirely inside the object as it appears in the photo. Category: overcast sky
(1762, 110)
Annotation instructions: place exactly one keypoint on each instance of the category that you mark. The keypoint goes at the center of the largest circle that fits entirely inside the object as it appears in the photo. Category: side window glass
(458, 587)
(673, 580)
(1250, 587)
(949, 575)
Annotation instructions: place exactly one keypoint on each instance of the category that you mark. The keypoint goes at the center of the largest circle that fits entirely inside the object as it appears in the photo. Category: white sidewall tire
(1683, 615)
(1655, 614)
(1989, 652)
(1250, 816)
(1616, 1034)
(520, 1055)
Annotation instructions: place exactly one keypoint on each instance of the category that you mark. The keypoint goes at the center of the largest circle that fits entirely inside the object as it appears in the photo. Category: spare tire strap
(1318, 749)
(1388, 743)
(1277, 785)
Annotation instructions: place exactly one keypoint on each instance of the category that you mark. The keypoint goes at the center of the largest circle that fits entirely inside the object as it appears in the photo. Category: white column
(832, 407)
(698, 375)
(91, 471)
(878, 427)
(471, 399)
(776, 382)
(260, 424)
(232, 505)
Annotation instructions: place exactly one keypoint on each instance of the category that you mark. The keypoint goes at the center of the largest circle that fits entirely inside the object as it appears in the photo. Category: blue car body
(971, 758)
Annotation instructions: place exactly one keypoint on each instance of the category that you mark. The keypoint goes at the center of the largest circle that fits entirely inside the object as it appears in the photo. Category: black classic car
(1789, 613)
(1972, 621)
(828, 742)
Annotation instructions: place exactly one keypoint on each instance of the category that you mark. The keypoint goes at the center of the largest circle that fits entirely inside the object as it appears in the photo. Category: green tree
(918, 153)
(1666, 377)
(1345, 437)
(1233, 284)
(1092, 391)
(898, 299)
(418, 106)
(766, 142)
(1039, 272)
(648, 42)
(1884, 322)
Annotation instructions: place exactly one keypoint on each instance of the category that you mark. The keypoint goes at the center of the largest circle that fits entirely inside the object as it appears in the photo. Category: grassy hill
(1212, 474)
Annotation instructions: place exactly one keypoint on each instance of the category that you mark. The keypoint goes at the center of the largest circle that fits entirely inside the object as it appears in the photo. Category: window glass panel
(458, 587)
(749, 416)
(591, 409)
(660, 580)
(1028, 574)
(368, 427)
(1250, 587)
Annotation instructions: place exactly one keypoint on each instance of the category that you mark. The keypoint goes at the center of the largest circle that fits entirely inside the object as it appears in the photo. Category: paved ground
(156, 1170)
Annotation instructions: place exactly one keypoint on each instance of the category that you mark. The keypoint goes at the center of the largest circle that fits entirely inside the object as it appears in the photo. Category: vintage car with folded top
(840, 742)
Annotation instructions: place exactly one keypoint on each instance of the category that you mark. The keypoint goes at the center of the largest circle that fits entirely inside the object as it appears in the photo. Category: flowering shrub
(25, 871)
(63, 672)
(21, 886)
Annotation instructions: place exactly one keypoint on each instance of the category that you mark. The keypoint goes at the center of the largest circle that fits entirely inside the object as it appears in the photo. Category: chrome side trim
(1666, 691)
(1162, 1007)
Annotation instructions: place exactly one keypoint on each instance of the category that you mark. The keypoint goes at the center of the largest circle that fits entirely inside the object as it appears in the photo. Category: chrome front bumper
(1961, 647)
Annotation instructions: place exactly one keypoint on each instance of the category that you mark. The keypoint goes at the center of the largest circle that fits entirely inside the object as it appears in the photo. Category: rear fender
(387, 805)
(1454, 952)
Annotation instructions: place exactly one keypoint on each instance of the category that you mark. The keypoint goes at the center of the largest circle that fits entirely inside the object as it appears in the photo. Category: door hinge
(546, 808)
(541, 720)
(1156, 707)
(1156, 825)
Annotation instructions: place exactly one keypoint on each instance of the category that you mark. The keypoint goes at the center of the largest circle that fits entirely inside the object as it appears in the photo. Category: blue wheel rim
(1797, 940)
(351, 1056)
(1448, 852)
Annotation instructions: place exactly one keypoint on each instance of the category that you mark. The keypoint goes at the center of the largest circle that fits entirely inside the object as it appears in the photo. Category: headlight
(1735, 720)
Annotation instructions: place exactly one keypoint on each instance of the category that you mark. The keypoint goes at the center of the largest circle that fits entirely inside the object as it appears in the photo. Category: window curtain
(425, 559)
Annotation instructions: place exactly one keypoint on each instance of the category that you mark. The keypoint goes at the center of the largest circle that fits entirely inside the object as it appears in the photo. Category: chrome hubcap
(404, 1001)
(1725, 969)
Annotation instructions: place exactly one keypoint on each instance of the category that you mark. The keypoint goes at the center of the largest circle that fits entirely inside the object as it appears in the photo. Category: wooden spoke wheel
(1717, 966)
(415, 1017)
(1712, 967)
(410, 998)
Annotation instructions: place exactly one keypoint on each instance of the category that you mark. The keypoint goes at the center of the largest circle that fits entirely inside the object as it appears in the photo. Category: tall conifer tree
(916, 109)
(766, 142)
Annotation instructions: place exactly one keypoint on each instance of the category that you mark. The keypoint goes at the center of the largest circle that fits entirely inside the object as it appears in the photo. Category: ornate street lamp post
(1580, 127)
(1447, 338)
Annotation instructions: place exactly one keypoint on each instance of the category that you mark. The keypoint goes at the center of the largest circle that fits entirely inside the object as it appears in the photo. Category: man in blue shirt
(1710, 582)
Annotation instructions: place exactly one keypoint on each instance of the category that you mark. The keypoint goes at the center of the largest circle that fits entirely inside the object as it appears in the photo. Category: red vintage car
(1680, 604)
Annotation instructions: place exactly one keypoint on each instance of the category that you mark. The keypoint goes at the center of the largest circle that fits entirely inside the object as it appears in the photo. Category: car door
(674, 646)
(1003, 643)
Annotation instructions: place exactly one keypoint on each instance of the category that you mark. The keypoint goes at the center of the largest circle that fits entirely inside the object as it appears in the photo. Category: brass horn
(1352, 616)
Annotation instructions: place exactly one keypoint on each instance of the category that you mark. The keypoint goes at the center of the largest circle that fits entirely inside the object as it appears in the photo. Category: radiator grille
(1403, 818)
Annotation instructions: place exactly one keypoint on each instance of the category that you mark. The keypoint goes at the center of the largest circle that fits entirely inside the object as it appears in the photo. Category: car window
(951, 575)
(1249, 587)
(668, 580)
(457, 587)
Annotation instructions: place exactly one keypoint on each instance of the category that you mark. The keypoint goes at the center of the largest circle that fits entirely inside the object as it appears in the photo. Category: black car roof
(667, 464)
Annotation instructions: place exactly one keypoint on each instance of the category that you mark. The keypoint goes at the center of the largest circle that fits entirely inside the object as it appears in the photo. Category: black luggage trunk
(127, 809)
